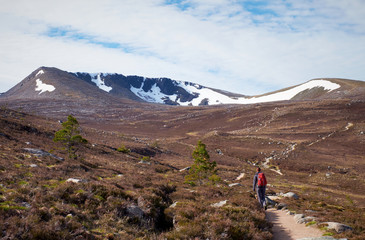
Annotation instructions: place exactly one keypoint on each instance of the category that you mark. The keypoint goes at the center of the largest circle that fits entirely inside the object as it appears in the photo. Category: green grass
(22, 182)
(8, 205)
(310, 223)
(18, 165)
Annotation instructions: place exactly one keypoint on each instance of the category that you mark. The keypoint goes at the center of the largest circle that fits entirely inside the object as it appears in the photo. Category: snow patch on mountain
(154, 95)
(40, 72)
(42, 87)
(205, 94)
(213, 97)
(96, 78)
(290, 93)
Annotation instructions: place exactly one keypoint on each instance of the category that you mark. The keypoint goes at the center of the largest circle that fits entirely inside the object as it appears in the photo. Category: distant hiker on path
(259, 184)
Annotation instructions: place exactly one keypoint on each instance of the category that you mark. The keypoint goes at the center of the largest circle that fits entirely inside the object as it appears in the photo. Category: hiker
(259, 184)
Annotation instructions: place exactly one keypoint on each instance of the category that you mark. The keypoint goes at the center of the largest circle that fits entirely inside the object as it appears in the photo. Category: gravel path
(285, 228)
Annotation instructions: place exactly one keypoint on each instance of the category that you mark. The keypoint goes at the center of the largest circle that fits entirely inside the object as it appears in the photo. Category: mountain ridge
(46, 82)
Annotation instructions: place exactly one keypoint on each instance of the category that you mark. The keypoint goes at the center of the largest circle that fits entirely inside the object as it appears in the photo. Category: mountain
(45, 83)
(157, 90)
(172, 92)
(52, 83)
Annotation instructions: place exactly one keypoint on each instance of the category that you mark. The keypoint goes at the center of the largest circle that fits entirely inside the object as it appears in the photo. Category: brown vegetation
(317, 146)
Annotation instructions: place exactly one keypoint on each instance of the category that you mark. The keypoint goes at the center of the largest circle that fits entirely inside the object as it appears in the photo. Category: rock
(297, 217)
(173, 205)
(184, 169)
(270, 202)
(219, 204)
(75, 180)
(234, 184)
(25, 204)
(310, 211)
(290, 213)
(306, 219)
(240, 176)
(135, 211)
(291, 195)
(41, 153)
(281, 206)
(338, 227)
(219, 151)
(145, 162)
(274, 198)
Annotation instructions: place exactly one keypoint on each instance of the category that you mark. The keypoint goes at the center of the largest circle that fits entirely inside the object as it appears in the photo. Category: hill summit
(54, 83)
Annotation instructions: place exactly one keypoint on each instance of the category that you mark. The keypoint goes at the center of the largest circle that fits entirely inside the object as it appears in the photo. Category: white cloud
(217, 43)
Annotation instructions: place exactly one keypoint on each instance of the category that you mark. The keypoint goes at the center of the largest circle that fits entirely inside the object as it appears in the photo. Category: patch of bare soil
(285, 228)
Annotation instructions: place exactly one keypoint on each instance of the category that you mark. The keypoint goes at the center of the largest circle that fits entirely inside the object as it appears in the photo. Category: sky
(243, 46)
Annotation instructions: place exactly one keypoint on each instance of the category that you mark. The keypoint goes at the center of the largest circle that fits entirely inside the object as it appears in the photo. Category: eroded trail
(285, 228)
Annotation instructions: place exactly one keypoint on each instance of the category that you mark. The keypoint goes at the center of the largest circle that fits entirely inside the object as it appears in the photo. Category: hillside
(312, 148)
(109, 194)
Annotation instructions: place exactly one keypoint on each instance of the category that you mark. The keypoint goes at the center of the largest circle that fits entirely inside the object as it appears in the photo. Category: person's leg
(264, 203)
(258, 194)
(261, 195)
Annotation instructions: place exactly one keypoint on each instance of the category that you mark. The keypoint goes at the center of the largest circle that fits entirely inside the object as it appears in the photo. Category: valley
(314, 148)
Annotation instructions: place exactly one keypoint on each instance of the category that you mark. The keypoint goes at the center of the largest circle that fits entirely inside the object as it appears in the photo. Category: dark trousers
(261, 195)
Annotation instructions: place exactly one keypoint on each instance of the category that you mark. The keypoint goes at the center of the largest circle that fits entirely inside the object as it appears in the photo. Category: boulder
(274, 198)
(240, 176)
(281, 206)
(42, 153)
(219, 204)
(234, 184)
(269, 201)
(145, 162)
(75, 180)
(297, 217)
(135, 212)
(306, 219)
(291, 195)
(338, 227)
(184, 169)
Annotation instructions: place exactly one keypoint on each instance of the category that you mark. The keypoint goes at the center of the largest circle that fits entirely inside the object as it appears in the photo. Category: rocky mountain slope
(54, 83)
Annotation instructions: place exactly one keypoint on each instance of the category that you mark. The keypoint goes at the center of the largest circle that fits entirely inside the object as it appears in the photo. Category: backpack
(261, 180)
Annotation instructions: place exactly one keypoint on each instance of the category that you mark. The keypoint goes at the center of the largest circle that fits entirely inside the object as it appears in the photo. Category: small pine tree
(202, 168)
(70, 136)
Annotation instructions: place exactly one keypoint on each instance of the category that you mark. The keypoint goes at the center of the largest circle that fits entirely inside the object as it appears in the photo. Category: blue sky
(248, 47)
